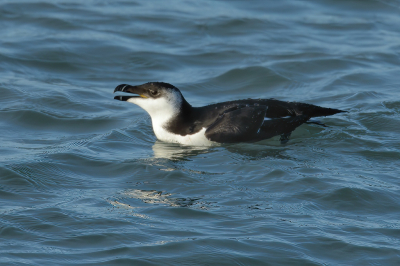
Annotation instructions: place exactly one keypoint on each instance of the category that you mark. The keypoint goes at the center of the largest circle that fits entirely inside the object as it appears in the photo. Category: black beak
(126, 88)
(122, 87)
(123, 98)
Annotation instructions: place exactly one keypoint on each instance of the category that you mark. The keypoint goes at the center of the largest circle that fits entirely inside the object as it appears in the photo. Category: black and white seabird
(251, 120)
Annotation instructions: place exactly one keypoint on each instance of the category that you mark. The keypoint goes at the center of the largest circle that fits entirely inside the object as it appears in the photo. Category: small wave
(37, 120)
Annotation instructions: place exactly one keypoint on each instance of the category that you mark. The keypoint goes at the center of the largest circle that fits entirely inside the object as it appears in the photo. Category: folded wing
(281, 126)
(237, 124)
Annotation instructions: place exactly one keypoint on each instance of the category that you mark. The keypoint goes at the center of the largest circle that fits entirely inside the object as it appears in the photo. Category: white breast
(197, 139)
(161, 111)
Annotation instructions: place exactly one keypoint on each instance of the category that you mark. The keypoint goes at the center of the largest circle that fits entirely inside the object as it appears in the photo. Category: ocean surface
(84, 181)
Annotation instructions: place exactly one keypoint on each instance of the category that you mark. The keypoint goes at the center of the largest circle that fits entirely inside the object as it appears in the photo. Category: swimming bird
(251, 120)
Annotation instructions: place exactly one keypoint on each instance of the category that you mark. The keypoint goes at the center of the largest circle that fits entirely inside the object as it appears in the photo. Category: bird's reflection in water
(257, 151)
(154, 197)
(178, 152)
(251, 151)
(177, 157)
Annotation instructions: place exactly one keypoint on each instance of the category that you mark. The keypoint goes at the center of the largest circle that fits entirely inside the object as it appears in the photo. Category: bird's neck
(170, 113)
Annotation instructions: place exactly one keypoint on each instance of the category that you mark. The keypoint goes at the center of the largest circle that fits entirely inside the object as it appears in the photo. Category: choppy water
(83, 180)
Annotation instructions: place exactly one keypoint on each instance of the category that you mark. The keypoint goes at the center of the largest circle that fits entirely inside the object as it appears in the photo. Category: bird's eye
(153, 93)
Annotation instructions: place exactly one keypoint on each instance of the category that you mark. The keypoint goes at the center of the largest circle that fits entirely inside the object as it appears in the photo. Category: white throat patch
(161, 111)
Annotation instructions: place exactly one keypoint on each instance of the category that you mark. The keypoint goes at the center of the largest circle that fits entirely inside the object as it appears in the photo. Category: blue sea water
(84, 181)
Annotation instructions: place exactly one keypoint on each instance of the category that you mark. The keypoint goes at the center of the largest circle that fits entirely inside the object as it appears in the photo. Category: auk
(251, 120)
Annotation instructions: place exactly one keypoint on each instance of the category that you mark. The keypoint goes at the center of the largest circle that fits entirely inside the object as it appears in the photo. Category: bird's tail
(277, 109)
(314, 110)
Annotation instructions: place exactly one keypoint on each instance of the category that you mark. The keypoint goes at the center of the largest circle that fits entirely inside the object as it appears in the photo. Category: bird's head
(161, 100)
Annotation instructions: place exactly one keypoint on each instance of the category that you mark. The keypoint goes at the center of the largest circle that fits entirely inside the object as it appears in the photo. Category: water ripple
(83, 179)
